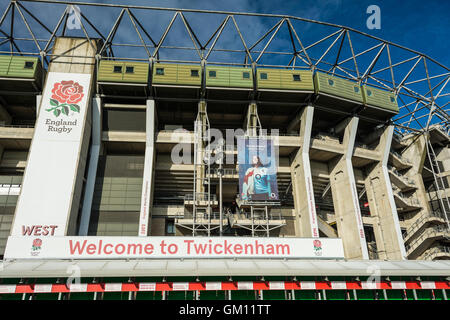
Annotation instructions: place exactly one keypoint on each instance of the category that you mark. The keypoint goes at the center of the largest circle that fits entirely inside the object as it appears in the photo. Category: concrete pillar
(387, 230)
(302, 186)
(38, 104)
(416, 153)
(93, 164)
(149, 170)
(345, 198)
(251, 124)
(53, 180)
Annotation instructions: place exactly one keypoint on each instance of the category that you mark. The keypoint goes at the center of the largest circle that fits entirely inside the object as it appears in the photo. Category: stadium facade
(138, 177)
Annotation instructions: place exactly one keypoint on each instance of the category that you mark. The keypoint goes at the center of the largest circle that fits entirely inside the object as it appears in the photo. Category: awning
(219, 267)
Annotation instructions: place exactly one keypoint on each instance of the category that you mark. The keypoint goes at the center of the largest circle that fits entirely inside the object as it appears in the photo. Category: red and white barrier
(227, 285)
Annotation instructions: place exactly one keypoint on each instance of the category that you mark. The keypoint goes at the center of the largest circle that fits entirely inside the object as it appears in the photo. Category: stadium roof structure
(231, 267)
(142, 33)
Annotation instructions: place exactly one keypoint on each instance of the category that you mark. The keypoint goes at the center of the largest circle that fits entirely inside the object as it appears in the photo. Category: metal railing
(200, 196)
(402, 158)
(364, 146)
(420, 222)
(225, 172)
(200, 215)
(17, 125)
(430, 232)
(412, 202)
(401, 176)
(326, 136)
(257, 215)
(429, 254)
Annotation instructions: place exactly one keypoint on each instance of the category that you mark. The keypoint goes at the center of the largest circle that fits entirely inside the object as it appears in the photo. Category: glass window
(246, 75)
(160, 71)
(356, 89)
(330, 82)
(117, 69)
(124, 120)
(369, 93)
(263, 76)
(129, 70)
(212, 74)
(296, 77)
(194, 73)
(170, 227)
(28, 65)
(392, 99)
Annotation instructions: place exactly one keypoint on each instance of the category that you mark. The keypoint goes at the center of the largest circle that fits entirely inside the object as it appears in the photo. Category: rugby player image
(256, 184)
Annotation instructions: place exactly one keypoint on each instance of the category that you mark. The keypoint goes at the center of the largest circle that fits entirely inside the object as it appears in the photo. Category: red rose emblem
(37, 242)
(317, 243)
(67, 92)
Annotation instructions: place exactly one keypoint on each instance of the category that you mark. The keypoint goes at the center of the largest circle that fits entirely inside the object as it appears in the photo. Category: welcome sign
(172, 247)
(46, 197)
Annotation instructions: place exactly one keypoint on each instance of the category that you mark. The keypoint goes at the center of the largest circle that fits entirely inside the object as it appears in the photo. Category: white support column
(386, 142)
(93, 164)
(346, 200)
(302, 185)
(38, 104)
(149, 164)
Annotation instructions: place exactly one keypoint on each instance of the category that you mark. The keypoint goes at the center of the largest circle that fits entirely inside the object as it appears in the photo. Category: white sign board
(171, 247)
(46, 197)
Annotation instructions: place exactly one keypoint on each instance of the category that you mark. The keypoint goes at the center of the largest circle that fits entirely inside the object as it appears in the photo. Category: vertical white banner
(45, 200)
(147, 184)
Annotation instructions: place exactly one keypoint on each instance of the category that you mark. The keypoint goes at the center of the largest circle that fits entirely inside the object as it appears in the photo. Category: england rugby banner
(171, 247)
(257, 169)
(50, 180)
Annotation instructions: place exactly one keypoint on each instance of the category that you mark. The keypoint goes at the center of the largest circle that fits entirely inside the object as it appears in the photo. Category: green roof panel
(380, 98)
(335, 86)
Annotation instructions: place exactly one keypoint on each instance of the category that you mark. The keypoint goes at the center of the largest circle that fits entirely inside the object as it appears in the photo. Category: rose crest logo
(36, 246)
(37, 243)
(65, 96)
(317, 247)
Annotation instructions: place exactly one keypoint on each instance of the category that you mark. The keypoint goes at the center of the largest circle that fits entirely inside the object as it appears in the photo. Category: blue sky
(417, 24)
(420, 25)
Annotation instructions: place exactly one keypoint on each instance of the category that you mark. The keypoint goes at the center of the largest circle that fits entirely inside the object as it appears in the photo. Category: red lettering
(134, 247)
(100, 246)
(76, 247)
(172, 248)
(215, 248)
(117, 248)
(27, 230)
(148, 249)
(227, 247)
(90, 249)
(45, 232)
(106, 246)
(37, 230)
(188, 242)
(53, 230)
(200, 248)
(237, 248)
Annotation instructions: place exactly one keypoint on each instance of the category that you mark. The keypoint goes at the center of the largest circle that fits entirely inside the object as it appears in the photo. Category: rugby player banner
(257, 169)
(171, 247)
